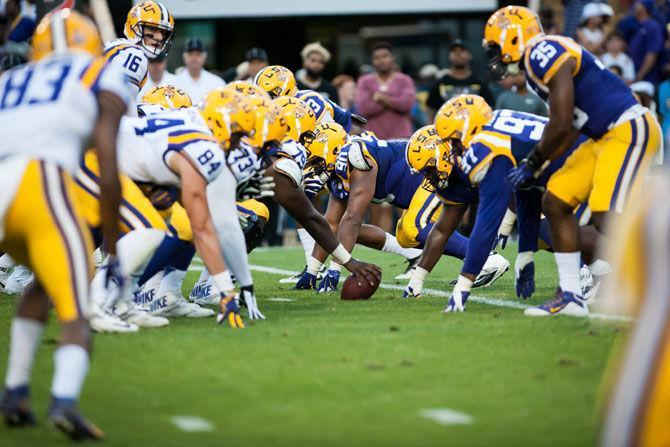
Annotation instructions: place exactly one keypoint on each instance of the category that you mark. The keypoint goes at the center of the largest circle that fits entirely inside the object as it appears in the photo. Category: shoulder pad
(478, 175)
(289, 168)
(357, 158)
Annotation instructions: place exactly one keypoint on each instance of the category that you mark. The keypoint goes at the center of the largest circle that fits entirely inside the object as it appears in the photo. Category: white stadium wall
(271, 8)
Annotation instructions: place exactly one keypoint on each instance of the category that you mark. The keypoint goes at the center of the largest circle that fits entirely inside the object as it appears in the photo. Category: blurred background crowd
(394, 69)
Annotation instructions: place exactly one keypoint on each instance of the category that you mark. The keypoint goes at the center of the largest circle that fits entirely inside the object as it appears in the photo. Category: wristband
(420, 273)
(334, 266)
(507, 223)
(313, 265)
(463, 284)
(223, 282)
(341, 255)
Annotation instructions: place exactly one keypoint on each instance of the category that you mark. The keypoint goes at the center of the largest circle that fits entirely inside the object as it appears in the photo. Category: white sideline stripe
(446, 416)
(443, 294)
(281, 299)
(192, 424)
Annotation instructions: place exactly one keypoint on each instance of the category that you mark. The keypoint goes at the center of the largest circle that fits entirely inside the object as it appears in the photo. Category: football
(352, 291)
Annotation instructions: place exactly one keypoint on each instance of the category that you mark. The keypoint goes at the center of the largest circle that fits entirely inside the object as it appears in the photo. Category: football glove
(520, 177)
(230, 312)
(249, 301)
(329, 281)
(306, 281)
(524, 269)
(257, 187)
(457, 301)
(312, 186)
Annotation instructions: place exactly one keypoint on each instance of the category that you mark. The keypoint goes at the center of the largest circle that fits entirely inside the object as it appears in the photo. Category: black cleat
(407, 274)
(66, 418)
(15, 408)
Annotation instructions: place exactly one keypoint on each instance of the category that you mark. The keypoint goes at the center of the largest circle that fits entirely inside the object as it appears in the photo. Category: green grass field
(324, 372)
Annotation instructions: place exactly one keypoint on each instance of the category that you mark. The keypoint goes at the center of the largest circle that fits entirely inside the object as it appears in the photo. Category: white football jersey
(147, 144)
(48, 108)
(130, 59)
(243, 162)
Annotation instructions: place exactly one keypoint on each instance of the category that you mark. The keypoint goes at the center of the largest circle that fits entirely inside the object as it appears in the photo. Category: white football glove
(258, 187)
(249, 301)
(415, 284)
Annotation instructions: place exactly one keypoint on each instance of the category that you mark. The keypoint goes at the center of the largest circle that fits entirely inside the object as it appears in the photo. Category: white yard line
(446, 416)
(443, 294)
(192, 424)
(281, 299)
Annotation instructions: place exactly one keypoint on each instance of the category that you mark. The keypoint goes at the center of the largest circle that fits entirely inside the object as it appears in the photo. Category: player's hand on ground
(525, 281)
(230, 312)
(364, 271)
(306, 281)
(520, 177)
(414, 287)
(457, 301)
(329, 281)
(249, 301)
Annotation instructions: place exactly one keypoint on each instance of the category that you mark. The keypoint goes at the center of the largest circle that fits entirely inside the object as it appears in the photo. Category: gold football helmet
(65, 30)
(506, 34)
(462, 117)
(229, 116)
(270, 124)
(324, 147)
(150, 16)
(168, 97)
(247, 89)
(428, 154)
(277, 81)
(300, 118)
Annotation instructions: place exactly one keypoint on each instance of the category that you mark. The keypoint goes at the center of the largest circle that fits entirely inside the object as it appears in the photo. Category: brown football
(352, 291)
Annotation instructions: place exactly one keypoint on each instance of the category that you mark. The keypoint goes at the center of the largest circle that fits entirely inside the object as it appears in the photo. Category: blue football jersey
(600, 96)
(323, 106)
(394, 184)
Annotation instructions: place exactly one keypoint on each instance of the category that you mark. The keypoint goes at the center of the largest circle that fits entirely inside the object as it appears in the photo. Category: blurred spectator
(549, 24)
(195, 80)
(458, 80)
(646, 46)
(519, 98)
(615, 56)
(386, 96)
(20, 27)
(644, 91)
(617, 70)
(257, 58)
(346, 91)
(572, 15)
(590, 33)
(310, 76)
(157, 75)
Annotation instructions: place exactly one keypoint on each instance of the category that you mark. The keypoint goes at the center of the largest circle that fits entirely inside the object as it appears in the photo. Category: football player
(149, 31)
(284, 159)
(639, 247)
(185, 149)
(49, 110)
(583, 96)
(366, 170)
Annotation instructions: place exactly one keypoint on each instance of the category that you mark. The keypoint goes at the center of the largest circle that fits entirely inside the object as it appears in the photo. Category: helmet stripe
(165, 15)
(58, 37)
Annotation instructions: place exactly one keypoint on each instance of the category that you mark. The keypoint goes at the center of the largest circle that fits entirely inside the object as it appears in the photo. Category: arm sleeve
(364, 101)
(494, 195)
(528, 212)
(221, 200)
(434, 100)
